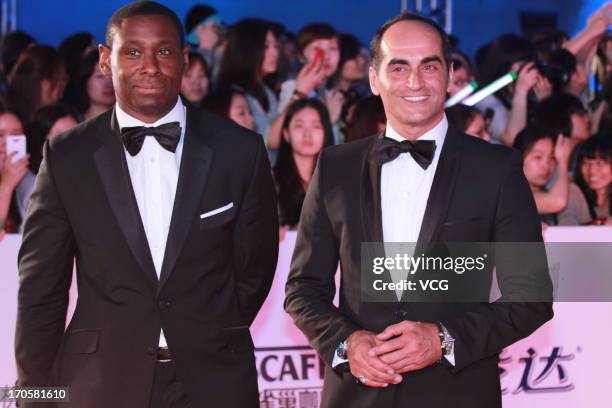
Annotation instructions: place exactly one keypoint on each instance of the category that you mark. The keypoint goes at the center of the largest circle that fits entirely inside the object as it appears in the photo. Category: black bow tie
(422, 151)
(167, 135)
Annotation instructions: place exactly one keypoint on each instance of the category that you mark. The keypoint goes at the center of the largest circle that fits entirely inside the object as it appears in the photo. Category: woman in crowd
(231, 103)
(306, 131)
(89, 92)
(366, 118)
(508, 52)
(37, 79)
(196, 79)
(11, 173)
(565, 114)
(594, 177)
(47, 123)
(556, 204)
(204, 34)
(73, 48)
(463, 73)
(251, 53)
(469, 120)
(352, 68)
(319, 51)
(11, 46)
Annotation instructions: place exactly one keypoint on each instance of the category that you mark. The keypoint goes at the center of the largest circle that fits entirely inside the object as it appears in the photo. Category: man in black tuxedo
(170, 215)
(420, 181)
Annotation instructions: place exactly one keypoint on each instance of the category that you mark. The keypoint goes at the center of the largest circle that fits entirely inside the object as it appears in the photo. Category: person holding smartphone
(11, 172)
(319, 51)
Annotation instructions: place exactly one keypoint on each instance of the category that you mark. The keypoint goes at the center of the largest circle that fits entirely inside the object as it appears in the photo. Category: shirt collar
(177, 114)
(437, 133)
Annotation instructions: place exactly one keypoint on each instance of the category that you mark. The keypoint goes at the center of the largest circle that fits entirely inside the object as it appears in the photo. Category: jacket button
(152, 351)
(164, 304)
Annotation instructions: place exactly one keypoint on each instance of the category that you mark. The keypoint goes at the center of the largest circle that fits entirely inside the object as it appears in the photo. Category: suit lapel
(440, 194)
(194, 170)
(112, 168)
(371, 212)
(441, 188)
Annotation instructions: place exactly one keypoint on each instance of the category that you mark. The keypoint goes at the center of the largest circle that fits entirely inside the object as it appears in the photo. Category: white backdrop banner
(564, 364)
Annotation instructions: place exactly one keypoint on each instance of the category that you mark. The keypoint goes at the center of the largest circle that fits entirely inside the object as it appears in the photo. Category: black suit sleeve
(256, 238)
(484, 333)
(310, 288)
(45, 272)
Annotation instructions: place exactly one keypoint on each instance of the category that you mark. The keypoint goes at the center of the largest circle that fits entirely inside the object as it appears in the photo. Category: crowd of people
(302, 92)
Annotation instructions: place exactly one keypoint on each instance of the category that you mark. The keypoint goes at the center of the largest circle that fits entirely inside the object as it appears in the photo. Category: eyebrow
(141, 43)
(401, 61)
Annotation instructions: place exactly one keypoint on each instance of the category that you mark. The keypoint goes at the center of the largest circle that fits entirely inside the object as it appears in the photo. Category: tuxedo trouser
(167, 391)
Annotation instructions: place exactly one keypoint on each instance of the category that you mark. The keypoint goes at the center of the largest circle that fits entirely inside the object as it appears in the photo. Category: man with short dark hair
(170, 214)
(420, 181)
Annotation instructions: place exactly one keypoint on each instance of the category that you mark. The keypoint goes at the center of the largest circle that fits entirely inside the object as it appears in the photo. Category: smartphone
(319, 54)
(16, 143)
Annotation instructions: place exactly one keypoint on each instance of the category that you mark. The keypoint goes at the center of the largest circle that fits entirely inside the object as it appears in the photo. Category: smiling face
(411, 78)
(146, 63)
(597, 173)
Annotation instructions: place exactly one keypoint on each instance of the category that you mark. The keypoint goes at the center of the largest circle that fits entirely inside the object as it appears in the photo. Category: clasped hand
(380, 359)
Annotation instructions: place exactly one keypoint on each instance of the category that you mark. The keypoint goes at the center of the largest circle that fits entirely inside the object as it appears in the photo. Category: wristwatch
(341, 350)
(447, 342)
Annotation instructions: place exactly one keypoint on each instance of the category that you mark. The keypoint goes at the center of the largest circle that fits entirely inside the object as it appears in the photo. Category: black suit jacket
(215, 276)
(479, 194)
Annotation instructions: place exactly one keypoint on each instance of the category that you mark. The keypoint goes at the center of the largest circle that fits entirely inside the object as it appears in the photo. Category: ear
(185, 57)
(373, 80)
(451, 73)
(286, 135)
(104, 61)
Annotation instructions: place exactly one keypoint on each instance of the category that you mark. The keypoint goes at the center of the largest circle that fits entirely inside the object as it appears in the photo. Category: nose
(415, 81)
(150, 65)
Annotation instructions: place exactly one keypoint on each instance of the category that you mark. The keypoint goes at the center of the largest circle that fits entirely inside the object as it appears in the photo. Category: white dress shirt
(404, 190)
(154, 173)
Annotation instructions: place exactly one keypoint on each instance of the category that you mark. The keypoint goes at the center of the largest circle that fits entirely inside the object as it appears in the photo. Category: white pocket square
(216, 211)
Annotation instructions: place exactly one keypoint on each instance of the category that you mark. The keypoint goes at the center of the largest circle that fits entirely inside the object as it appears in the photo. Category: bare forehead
(411, 35)
(144, 27)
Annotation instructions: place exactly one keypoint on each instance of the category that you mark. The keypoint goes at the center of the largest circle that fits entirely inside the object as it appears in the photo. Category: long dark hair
(243, 56)
(76, 90)
(220, 100)
(38, 129)
(290, 191)
(461, 116)
(368, 113)
(37, 63)
(13, 218)
(529, 136)
(596, 147)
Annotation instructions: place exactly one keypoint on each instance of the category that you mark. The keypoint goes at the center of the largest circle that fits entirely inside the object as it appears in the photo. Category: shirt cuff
(450, 357)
